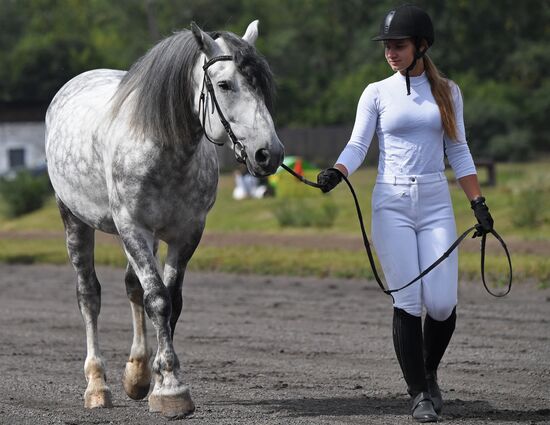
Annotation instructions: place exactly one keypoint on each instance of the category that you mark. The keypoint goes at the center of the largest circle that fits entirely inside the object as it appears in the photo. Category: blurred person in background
(248, 186)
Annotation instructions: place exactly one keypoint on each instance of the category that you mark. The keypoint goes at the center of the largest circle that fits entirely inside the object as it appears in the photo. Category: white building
(22, 146)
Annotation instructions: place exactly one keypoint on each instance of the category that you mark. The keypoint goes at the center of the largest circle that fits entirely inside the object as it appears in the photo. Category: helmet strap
(408, 78)
(418, 54)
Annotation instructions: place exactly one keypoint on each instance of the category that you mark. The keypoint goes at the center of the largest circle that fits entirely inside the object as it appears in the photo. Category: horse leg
(174, 272)
(136, 378)
(80, 246)
(169, 396)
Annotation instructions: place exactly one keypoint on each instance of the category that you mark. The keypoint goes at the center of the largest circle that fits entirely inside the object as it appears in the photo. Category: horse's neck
(180, 151)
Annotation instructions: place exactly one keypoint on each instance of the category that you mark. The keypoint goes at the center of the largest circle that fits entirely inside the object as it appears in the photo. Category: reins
(455, 244)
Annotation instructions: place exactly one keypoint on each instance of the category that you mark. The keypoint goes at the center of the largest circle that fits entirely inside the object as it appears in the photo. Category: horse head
(233, 98)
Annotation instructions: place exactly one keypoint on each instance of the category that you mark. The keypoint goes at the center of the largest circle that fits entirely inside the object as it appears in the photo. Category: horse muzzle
(266, 160)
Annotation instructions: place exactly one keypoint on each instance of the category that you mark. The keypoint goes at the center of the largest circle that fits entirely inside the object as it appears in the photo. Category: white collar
(415, 81)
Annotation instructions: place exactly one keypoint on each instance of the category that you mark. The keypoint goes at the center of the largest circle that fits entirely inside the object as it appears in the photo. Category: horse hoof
(136, 379)
(173, 404)
(98, 398)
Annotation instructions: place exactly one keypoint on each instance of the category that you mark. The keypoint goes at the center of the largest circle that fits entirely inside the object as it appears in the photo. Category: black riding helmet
(407, 21)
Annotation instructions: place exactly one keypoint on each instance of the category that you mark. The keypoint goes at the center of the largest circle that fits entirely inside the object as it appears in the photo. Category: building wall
(28, 136)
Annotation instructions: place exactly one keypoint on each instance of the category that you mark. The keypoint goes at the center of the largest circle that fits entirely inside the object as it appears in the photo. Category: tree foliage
(319, 50)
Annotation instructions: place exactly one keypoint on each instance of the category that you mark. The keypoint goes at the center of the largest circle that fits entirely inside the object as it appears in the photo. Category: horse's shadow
(379, 406)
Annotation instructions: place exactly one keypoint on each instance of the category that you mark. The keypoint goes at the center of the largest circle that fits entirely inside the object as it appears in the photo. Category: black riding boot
(407, 340)
(436, 339)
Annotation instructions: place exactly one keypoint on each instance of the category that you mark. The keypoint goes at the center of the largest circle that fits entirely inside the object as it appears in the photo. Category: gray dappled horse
(129, 153)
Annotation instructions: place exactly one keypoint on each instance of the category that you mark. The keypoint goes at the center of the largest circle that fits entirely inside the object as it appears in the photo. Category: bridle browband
(238, 147)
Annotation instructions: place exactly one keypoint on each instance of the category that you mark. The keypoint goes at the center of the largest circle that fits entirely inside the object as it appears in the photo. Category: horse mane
(251, 65)
(160, 86)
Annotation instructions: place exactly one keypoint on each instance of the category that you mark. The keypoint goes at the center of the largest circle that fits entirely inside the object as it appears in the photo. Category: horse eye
(225, 85)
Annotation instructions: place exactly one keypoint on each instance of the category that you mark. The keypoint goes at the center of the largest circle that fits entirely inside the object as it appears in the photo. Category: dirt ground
(265, 350)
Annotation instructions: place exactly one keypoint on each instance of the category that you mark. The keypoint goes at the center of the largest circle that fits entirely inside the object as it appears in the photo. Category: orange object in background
(298, 169)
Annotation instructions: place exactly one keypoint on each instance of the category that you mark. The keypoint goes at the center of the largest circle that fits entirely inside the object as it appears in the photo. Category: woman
(417, 116)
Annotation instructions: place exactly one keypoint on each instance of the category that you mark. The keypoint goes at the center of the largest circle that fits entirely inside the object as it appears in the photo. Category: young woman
(417, 116)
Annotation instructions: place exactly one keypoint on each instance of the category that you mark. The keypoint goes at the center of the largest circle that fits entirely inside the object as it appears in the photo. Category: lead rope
(432, 266)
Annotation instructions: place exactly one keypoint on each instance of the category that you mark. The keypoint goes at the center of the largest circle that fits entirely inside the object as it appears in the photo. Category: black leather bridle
(238, 147)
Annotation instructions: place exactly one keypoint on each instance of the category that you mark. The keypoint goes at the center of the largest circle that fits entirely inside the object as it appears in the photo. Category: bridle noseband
(238, 147)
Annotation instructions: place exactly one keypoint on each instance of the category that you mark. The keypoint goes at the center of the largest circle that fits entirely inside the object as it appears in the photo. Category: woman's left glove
(328, 179)
(483, 216)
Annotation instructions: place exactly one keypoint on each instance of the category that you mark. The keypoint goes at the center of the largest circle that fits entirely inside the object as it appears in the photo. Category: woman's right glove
(328, 179)
(483, 216)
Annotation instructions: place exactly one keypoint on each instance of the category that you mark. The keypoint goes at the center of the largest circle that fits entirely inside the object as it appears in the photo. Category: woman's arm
(356, 149)
(470, 186)
(457, 151)
(342, 168)
(364, 128)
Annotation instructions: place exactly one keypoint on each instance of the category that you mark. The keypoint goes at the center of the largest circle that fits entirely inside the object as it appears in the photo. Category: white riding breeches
(412, 226)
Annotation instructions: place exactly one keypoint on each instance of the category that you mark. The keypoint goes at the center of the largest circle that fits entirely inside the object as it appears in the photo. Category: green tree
(320, 51)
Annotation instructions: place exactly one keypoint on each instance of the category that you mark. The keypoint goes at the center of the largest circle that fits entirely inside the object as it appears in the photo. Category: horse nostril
(262, 156)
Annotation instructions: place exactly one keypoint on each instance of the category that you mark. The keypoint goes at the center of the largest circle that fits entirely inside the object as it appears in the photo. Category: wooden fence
(320, 146)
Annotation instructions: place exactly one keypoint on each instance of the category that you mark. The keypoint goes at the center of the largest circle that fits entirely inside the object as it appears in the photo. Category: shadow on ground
(378, 406)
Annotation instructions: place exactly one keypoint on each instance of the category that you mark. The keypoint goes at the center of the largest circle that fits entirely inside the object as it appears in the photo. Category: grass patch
(277, 260)
(257, 216)
(263, 260)
(47, 218)
(53, 251)
(266, 260)
(299, 206)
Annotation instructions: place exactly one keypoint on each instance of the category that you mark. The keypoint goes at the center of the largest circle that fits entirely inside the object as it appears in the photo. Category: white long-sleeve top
(409, 129)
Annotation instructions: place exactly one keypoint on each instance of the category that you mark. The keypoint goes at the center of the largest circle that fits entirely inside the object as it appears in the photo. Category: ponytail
(441, 90)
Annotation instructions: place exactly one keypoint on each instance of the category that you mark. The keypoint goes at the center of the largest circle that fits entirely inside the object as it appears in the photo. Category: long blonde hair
(441, 90)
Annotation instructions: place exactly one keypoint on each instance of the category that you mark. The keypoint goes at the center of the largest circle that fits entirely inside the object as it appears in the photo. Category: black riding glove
(328, 179)
(481, 211)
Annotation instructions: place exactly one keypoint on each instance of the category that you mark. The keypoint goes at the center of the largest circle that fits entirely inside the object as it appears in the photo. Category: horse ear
(251, 33)
(207, 45)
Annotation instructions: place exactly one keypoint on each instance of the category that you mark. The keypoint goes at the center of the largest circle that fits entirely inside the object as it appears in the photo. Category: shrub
(514, 146)
(529, 204)
(528, 211)
(302, 206)
(306, 213)
(24, 193)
